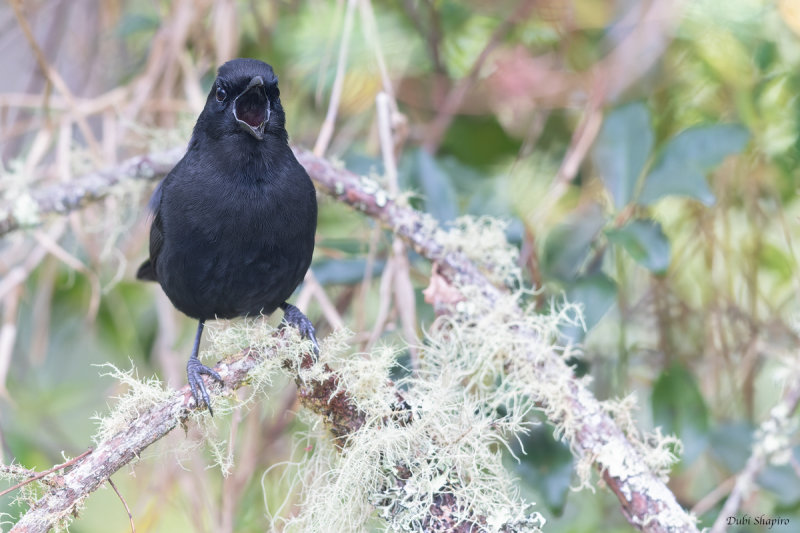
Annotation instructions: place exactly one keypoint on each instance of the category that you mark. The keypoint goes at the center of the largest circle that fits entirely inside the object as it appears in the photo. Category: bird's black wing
(147, 270)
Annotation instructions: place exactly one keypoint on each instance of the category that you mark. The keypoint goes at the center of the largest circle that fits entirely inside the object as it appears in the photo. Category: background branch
(646, 501)
(772, 426)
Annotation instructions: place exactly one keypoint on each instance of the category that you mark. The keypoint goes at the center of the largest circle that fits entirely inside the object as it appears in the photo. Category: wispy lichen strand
(443, 445)
(566, 401)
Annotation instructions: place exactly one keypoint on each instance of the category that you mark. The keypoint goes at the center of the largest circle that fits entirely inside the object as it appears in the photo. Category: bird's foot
(194, 371)
(295, 317)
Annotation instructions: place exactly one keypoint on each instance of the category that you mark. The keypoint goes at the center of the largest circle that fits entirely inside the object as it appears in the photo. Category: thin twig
(229, 491)
(384, 304)
(162, 66)
(19, 273)
(745, 481)
(583, 137)
(432, 34)
(645, 500)
(127, 509)
(55, 249)
(397, 273)
(708, 501)
(56, 79)
(454, 99)
(8, 334)
(582, 140)
(324, 61)
(370, 27)
(651, 26)
(40, 475)
(326, 130)
(366, 281)
(795, 465)
(328, 309)
(399, 269)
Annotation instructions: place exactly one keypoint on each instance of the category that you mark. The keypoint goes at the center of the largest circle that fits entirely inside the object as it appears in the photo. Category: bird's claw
(195, 371)
(295, 317)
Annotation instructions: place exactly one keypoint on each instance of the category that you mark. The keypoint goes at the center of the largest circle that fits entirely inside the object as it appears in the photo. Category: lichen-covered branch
(590, 430)
(27, 209)
(322, 391)
(124, 447)
(772, 442)
(646, 501)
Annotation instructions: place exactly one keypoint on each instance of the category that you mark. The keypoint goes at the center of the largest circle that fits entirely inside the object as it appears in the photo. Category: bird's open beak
(251, 108)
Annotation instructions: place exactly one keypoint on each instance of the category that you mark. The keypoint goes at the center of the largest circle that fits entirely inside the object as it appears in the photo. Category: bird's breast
(235, 249)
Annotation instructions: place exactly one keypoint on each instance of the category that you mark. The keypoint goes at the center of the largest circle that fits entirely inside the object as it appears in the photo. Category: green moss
(141, 394)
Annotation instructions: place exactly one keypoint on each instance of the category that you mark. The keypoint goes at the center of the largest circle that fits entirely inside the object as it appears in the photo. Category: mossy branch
(125, 446)
(772, 445)
(583, 421)
(646, 501)
(27, 210)
(321, 391)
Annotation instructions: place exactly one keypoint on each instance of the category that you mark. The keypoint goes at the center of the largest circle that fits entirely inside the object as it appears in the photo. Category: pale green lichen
(381, 198)
(483, 240)
(479, 378)
(16, 194)
(27, 495)
(774, 437)
(255, 334)
(26, 210)
(658, 452)
(230, 338)
(450, 443)
(141, 394)
(482, 371)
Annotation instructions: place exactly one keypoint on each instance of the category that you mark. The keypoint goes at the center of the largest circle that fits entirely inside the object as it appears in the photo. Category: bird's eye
(221, 94)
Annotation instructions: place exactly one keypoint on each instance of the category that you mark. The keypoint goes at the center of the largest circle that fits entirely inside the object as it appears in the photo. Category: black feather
(234, 221)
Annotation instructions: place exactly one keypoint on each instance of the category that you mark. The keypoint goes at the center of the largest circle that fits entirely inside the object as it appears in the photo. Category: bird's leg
(195, 370)
(295, 317)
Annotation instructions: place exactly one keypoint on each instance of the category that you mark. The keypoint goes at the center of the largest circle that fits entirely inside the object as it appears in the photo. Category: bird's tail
(146, 272)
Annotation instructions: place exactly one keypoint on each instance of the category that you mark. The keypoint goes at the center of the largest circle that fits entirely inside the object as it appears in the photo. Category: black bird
(234, 221)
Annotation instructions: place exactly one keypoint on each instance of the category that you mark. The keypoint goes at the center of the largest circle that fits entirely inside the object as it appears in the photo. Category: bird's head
(244, 100)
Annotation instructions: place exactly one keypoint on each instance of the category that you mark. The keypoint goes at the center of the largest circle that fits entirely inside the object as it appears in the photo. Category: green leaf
(479, 141)
(782, 480)
(492, 198)
(679, 408)
(441, 200)
(546, 467)
(645, 241)
(621, 150)
(134, 23)
(731, 444)
(687, 158)
(344, 271)
(568, 244)
(773, 259)
(363, 165)
(348, 245)
(597, 293)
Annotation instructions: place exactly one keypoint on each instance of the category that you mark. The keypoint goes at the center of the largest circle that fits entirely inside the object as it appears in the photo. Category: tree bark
(645, 500)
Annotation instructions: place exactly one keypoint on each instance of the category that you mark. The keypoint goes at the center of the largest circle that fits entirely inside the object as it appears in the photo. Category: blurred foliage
(676, 231)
